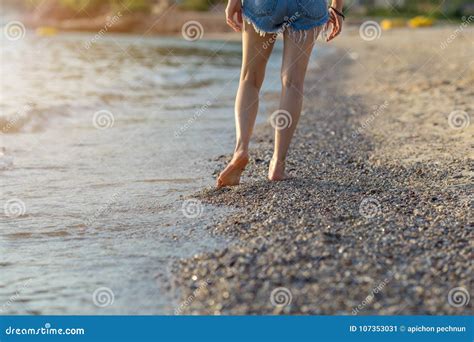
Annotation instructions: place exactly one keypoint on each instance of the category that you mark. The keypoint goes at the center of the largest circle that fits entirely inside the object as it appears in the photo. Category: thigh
(256, 50)
(297, 49)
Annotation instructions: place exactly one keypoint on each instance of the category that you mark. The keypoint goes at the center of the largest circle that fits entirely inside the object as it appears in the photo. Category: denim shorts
(275, 16)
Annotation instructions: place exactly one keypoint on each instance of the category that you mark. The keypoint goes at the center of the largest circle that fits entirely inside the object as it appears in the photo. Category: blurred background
(140, 14)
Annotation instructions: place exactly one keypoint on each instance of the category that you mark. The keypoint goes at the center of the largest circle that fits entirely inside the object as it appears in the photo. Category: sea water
(102, 142)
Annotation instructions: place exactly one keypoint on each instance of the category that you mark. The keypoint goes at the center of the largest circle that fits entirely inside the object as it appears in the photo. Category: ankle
(278, 161)
(241, 153)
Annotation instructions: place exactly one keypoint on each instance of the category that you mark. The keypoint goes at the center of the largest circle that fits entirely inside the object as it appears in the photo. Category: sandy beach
(375, 219)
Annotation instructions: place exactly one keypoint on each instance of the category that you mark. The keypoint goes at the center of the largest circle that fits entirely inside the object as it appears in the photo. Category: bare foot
(276, 171)
(231, 174)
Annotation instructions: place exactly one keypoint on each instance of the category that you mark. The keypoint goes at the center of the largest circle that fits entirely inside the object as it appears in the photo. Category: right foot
(276, 171)
(231, 174)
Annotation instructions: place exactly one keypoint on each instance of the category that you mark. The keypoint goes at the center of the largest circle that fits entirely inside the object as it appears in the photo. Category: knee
(292, 81)
(252, 77)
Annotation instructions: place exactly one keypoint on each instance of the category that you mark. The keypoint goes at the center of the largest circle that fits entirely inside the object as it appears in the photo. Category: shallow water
(98, 147)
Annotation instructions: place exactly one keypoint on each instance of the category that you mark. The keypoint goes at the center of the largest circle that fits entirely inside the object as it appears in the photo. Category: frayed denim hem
(257, 26)
(298, 35)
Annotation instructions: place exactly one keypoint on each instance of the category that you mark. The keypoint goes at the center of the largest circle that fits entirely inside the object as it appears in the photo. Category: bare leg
(295, 62)
(255, 53)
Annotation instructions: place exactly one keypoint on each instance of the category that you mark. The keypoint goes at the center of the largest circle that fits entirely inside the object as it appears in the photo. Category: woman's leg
(255, 53)
(295, 62)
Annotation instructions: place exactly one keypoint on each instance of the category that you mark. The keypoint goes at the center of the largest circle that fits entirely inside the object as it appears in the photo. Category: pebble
(317, 242)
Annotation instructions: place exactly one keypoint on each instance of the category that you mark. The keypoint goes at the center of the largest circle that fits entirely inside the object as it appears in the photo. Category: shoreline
(374, 220)
(161, 118)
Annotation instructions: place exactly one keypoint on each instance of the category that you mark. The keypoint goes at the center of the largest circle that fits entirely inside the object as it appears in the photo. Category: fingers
(328, 26)
(230, 22)
(236, 25)
(336, 27)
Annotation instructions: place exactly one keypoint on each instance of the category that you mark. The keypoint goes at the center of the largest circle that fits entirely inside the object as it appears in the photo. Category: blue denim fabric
(273, 16)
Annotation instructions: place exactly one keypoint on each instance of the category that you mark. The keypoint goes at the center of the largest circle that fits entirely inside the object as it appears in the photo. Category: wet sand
(375, 219)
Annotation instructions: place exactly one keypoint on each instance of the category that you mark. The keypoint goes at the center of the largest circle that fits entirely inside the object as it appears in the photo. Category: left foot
(276, 172)
(231, 174)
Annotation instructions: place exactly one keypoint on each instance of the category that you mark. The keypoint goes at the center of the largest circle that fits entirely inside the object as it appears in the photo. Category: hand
(335, 21)
(233, 14)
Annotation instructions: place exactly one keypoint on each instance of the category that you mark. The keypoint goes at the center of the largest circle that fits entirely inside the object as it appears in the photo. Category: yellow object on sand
(388, 24)
(420, 21)
(46, 31)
